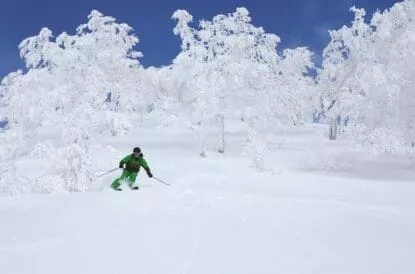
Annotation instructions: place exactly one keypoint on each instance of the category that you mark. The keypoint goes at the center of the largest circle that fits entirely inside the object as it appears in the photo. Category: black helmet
(136, 150)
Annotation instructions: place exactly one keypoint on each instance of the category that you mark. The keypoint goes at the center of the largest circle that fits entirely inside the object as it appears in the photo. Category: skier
(132, 163)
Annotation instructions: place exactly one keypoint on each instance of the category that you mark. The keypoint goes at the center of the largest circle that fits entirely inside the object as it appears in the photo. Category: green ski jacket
(133, 163)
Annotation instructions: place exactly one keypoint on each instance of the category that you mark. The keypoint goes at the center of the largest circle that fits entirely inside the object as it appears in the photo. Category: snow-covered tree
(75, 86)
(367, 76)
(345, 58)
(230, 66)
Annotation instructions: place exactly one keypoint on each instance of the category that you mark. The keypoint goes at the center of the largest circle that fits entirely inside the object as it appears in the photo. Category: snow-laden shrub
(10, 181)
(324, 158)
(75, 166)
(67, 169)
(12, 144)
(43, 150)
(380, 140)
(13, 182)
(255, 150)
(114, 123)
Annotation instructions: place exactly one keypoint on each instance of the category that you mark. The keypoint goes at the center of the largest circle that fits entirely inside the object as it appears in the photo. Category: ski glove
(149, 174)
(121, 165)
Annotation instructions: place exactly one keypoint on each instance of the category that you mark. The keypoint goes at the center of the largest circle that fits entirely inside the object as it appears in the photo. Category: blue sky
(297, 22)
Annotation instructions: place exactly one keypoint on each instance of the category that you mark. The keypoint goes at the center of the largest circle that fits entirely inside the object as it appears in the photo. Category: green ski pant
(125, 176)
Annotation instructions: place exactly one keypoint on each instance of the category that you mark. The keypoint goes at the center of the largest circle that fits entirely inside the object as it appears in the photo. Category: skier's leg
(116, 184)
(131, 179)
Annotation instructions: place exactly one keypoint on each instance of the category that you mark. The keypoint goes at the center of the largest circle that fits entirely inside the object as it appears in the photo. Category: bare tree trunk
(198, 131)
(221, 121)
(203, 145)
(141, 115)
(332, 129)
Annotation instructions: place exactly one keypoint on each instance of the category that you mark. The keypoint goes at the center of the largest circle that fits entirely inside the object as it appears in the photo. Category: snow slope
(220, 216)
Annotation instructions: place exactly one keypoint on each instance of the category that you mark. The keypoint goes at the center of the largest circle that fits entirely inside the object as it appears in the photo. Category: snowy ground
(220, 216)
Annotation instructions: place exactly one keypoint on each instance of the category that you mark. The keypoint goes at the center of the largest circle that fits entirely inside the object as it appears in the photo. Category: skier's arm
(124, 161)
(144, 164)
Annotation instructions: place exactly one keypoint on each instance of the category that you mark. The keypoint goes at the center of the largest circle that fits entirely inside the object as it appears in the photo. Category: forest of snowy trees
(91, 83)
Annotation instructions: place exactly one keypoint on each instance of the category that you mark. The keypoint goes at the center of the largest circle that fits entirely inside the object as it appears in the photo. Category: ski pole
(161, 181)
(112, 170)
